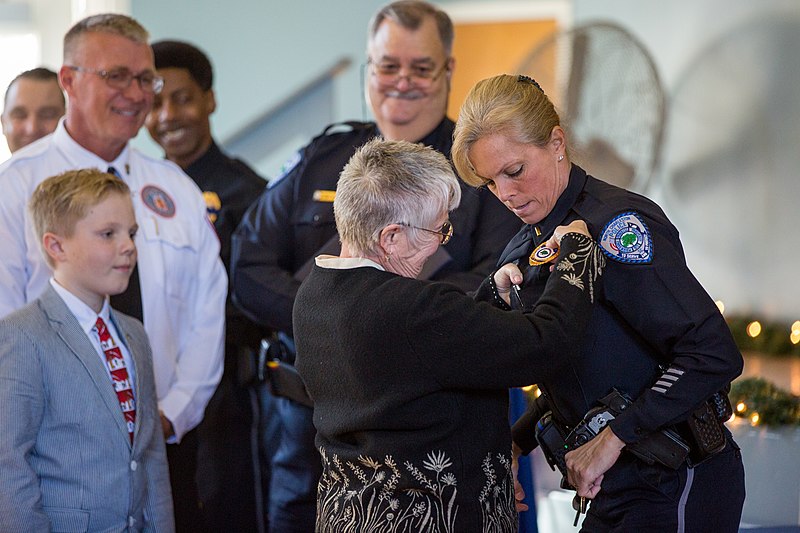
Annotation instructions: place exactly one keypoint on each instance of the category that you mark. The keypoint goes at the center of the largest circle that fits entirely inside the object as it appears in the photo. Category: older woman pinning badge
(410, 378)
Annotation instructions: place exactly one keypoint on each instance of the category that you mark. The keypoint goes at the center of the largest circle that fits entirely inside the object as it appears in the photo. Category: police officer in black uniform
(227, 470)
(408, 83)
(656, 336)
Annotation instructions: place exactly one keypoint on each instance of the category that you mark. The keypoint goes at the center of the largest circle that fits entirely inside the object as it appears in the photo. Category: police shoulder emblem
(287, 168)
(626, 239)
(158, 201)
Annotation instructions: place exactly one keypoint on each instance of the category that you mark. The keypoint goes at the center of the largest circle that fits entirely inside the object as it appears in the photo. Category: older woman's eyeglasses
(444, 233)
(121, 78)
(422, 76)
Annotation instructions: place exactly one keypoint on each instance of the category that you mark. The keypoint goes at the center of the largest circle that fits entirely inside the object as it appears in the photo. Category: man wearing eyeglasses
(408, 71)
(179, 286)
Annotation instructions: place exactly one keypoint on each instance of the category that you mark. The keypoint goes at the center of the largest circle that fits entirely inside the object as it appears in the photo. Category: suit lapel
(67, 328)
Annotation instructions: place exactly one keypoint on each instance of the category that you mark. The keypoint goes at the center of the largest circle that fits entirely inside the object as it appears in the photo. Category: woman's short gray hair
(392, 182)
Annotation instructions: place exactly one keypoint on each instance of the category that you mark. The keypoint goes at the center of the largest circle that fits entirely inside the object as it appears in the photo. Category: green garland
(773, 339)
(757, 396)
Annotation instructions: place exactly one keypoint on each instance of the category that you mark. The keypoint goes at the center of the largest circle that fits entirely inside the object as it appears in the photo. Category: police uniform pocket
(660, 478)
(171, 233)
(314, 214)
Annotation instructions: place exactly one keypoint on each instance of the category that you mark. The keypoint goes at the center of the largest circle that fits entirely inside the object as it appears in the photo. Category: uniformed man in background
(228, 475)
(409, 66)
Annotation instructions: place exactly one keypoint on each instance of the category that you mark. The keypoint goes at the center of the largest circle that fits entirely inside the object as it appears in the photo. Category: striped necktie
(119, 375)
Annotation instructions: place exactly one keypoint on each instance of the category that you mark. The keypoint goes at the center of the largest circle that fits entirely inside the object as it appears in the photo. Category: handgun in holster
(664, 446)
(551, 439)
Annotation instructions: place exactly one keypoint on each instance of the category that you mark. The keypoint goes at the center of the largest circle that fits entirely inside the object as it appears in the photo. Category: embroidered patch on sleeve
(626, 239)
(287, 167)
(158, 201)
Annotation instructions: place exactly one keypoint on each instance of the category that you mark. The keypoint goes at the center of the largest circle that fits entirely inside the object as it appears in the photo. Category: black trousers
(182, 459)
(653, 498)
(228, 475)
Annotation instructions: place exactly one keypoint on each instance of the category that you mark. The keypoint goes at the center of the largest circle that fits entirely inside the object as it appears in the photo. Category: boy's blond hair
(59, 202)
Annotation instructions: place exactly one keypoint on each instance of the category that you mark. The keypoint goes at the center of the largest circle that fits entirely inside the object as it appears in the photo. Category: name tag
(324, 196)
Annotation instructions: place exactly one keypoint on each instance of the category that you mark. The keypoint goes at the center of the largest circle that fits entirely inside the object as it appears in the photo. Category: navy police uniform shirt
(293, 220)
(655, 332)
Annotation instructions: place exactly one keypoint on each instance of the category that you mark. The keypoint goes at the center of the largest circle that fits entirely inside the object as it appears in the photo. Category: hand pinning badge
(542, 254)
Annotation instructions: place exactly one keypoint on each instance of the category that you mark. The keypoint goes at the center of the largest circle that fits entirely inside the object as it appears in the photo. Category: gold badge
(213, 205)
(542, 254)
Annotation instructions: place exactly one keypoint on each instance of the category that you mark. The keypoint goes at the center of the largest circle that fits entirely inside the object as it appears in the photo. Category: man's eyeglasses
(444, 233)
(421, 76)
(121, 78)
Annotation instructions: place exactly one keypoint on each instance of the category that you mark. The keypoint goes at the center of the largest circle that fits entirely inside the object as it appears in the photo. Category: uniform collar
(209, 158)
(544, 229)
(80, 157)
(441, 135)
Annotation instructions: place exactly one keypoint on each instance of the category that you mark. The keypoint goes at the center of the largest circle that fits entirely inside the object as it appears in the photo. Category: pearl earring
(561, 158)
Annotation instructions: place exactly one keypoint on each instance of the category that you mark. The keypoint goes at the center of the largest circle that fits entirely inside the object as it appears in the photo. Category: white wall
(265, 50)
(729, 179)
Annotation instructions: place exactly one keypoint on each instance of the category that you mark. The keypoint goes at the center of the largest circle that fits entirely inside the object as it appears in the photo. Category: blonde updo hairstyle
(512, 105)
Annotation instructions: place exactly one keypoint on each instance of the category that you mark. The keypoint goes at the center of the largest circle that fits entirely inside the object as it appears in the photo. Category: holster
(705, 427)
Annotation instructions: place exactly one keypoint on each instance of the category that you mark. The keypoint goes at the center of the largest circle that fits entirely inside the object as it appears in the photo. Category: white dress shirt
(87, 319)
(183, 281)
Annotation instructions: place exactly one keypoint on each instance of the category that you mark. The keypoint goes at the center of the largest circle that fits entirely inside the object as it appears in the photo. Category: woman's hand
(587, 465)
(507, 275)
(576, 226)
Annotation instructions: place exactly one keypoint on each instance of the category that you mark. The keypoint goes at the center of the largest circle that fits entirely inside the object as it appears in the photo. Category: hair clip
(527, 79)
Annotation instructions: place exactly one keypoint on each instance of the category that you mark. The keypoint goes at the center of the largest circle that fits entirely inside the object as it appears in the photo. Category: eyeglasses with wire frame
(121, 78)
(444, 233)
(422, 75)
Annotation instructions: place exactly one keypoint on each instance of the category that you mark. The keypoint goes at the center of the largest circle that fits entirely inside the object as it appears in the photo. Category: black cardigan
(410, 379)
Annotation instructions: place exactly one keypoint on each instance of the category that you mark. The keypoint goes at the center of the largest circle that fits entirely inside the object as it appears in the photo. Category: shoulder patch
(626, 239)
(287, 167)
(158, 201)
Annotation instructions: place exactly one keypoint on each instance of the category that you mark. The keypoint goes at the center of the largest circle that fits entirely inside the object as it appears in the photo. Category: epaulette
(345, 127)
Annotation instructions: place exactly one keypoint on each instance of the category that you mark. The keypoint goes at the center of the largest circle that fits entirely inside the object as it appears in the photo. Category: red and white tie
(119, 375)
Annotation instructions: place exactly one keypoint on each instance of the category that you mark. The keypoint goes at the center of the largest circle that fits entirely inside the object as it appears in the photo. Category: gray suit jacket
(66, 460)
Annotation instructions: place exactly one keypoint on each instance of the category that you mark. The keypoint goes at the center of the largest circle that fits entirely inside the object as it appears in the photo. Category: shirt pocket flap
(171, 232)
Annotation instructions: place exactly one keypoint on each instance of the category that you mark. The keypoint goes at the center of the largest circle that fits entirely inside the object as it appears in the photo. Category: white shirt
(182, 279)
(87, 319)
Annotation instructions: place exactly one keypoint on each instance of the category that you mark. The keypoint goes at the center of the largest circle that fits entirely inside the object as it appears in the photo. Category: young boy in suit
(81, 444)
